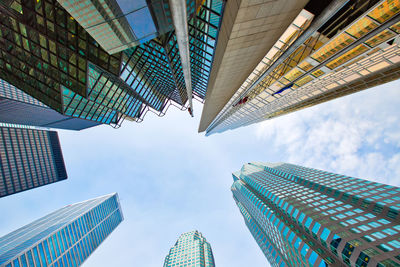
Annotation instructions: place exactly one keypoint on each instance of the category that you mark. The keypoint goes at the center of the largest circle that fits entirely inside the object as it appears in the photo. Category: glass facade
(17, 107)
(191, 249)
(62, 238)
(117, 24)
(306, 217)
(29, 158)
(50, 53)
(346, 55)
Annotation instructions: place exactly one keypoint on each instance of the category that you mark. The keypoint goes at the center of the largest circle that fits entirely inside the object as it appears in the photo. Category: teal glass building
(65, 237)
(17, 107)
(191, 249)
(306, 217)
(29, 158)
(63, 54)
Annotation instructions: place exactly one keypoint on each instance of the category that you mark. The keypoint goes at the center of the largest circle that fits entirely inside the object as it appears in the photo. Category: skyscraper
(17, 107)
(65, 237)
(107, 61)
(29, 158)
(191, 249)
(331, 49)
(306, 217)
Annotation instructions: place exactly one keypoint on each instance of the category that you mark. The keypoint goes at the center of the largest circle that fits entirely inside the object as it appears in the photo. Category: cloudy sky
(171, 179)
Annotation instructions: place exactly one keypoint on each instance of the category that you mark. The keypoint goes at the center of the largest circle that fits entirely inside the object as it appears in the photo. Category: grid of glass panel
(29, 158)
(65, 237)
(47, 54)
(337, 218)
(147, 70)
(191, 249)
(105, 23)
(203, 33)
(44, 47)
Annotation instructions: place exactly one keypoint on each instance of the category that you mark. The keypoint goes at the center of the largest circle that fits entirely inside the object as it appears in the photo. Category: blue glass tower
(306, 217)
(191, 249)
(65, 237)
(29, 158)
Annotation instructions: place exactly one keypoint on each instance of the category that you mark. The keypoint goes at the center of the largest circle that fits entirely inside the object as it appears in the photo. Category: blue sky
(171, 179)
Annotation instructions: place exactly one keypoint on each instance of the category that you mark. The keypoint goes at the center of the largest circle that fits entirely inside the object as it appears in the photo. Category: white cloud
(357, 135)
(171, 179)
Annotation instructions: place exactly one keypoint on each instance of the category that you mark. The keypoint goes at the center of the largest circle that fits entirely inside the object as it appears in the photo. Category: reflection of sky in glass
(140, 20)
(129, 5)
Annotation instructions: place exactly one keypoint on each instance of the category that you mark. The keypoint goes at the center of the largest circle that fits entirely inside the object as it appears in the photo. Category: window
(361, 218)
(385, 248)
(378, 235)
(316, 227)
(374, 224)
(351, 221)
(383, 221)
(349, 213)
(394, 243)
(304, 250)
(389, 231)
(364, 227)
(368, 238)
(325, 234)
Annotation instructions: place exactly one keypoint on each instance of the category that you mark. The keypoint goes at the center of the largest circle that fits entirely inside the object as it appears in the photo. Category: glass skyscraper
(306, 217)
(329, 50)
(17, 107)
(29, 158)
(191, 249)
(106, 61)
(65, 237)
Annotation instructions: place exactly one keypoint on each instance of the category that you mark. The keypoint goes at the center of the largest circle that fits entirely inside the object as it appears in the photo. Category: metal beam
(179, 17)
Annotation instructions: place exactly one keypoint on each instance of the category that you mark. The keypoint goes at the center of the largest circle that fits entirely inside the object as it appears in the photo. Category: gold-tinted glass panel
(356, 51)
(385, 11)
(361, 27)
(305, 66)
(396, 27)
(317, 73)
(293, 74)
(304, 80)
(380, 38)
(334, 46)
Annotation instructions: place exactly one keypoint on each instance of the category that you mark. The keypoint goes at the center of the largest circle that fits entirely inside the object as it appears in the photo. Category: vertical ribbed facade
(65, 237)
(191, 249)
(29, 158)
(306, 217)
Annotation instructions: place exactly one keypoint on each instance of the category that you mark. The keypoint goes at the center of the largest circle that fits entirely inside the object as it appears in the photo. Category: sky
(171, 179)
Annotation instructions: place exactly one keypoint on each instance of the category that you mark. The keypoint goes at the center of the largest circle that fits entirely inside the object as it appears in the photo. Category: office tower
(191, 249)
(331, 49)
(62, 54)
(65, 237)
(29, 158)
(17, 107)
(306, 217)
